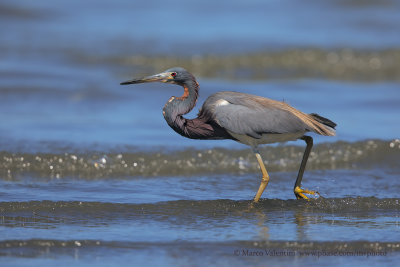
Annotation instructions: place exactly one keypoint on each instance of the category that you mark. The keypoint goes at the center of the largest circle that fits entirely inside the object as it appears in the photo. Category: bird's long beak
(161, 77)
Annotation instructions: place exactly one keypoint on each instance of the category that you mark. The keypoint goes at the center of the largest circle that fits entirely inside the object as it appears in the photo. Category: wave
(222, 206)
(36, 247)
(44, 215)
(188, 162)
(339, 64)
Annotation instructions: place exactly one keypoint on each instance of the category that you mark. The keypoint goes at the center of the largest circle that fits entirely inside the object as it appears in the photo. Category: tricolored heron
(248, 119)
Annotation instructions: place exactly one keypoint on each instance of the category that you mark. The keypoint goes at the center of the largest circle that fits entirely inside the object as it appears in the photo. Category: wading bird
(245, 118)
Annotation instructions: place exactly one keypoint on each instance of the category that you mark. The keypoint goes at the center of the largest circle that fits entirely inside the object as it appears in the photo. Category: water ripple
(189, 162)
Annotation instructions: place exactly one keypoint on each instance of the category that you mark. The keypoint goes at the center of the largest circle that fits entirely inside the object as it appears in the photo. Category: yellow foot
(299, 193)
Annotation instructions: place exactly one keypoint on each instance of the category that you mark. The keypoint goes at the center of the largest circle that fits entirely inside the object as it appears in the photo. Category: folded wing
(252, 115)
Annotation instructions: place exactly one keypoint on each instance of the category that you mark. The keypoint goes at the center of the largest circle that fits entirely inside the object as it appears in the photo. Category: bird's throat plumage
(197, 128)
(178, 106)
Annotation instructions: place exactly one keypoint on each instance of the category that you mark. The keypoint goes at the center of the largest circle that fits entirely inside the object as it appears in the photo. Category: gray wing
(253, 115)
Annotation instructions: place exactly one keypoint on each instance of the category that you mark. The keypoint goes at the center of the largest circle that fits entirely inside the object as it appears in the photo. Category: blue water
(61, 63)
(179, 26)
(118, 115)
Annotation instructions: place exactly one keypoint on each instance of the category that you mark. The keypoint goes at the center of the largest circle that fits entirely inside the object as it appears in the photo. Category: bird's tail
(326, 123)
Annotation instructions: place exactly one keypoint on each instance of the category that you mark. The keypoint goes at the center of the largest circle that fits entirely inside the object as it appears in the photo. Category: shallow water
(90, 173)
(186, 208)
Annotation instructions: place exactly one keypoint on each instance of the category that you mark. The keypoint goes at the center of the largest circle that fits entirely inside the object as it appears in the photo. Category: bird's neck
(178, 106)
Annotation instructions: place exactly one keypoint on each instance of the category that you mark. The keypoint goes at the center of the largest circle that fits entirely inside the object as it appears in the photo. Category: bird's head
(174, 75)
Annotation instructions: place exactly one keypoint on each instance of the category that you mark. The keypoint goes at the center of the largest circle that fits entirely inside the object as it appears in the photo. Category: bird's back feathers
(253, 115)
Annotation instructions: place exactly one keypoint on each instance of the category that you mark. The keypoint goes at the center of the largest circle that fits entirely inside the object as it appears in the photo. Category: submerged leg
(298, 191)
(265, 176)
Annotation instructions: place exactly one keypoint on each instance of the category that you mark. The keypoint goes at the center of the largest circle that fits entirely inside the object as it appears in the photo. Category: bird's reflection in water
(301, 222)
(262, 214)
(262, 222)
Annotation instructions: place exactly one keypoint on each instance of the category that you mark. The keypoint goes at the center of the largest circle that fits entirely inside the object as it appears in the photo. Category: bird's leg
(298, 191)
(265, 176)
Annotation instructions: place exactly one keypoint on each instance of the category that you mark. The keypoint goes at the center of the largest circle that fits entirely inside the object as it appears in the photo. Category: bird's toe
(300, 193)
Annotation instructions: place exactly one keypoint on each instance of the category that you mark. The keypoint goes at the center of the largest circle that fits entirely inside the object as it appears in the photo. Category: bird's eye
(173, 74)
